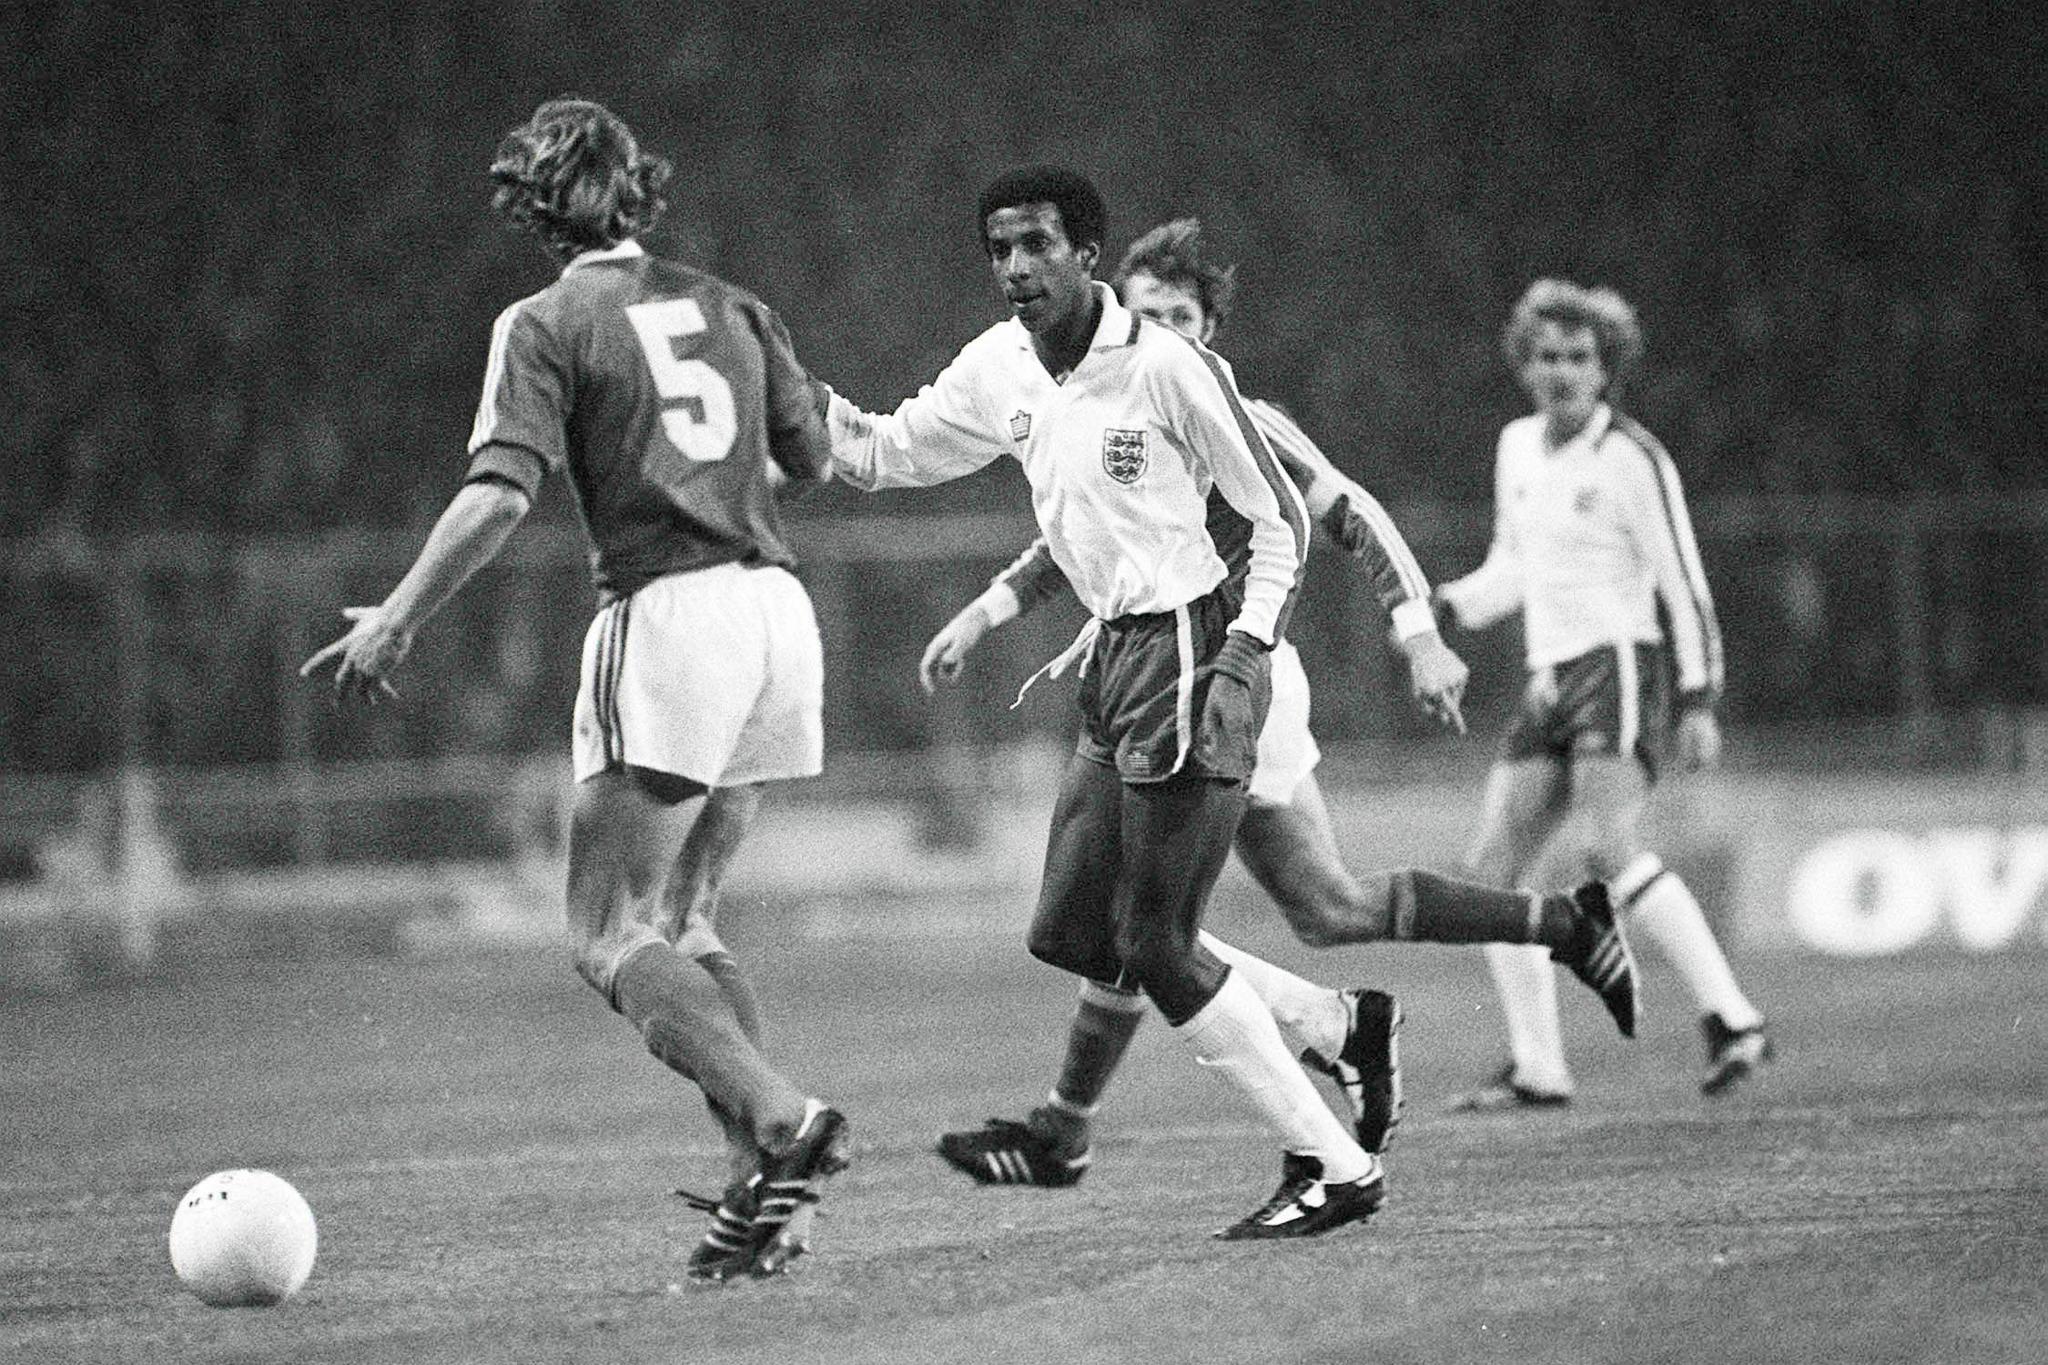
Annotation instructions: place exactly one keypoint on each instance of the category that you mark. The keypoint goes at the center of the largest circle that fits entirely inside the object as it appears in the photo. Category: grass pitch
(490, 1152)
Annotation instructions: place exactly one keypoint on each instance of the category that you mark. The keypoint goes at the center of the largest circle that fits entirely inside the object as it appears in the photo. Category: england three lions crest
(1124, 454)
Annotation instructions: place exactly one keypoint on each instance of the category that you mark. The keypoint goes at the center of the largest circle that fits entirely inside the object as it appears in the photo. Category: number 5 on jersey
(696, 401)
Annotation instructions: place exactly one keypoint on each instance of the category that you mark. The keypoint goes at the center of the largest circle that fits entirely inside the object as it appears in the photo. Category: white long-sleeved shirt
(1365, 529)
(1121, 458)
(1587, 539)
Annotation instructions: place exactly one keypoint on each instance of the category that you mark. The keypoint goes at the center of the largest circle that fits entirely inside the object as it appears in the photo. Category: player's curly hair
(574, 175)
(1072, 193)
(1172, 254)
(1610, 317)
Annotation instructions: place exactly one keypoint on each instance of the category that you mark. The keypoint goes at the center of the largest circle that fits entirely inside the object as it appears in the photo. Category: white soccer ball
(243, 1239)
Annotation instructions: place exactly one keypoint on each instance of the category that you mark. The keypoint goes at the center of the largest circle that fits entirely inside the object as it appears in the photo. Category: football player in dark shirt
(664, 395)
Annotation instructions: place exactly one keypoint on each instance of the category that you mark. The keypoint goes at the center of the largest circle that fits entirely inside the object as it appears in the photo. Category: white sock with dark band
(1309, 1016)
(1663, 907)
(1527, 984)
(1236, 1036)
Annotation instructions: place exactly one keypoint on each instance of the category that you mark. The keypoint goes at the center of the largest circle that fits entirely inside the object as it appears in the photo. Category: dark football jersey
(663, 392)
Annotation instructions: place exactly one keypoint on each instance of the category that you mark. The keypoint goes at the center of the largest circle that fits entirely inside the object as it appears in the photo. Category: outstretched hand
(949, 649)
(1437, 677)
(364, 658)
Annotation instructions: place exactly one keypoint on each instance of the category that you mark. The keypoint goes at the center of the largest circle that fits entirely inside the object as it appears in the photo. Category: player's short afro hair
(574, 175)
(1172, 254)
(1609, 316)
(1078, 201)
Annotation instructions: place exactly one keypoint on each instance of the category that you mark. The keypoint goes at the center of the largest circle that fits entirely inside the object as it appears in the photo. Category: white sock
(1234, 1035)
(1664, 908)
(1309, 1015)
(1527, 984)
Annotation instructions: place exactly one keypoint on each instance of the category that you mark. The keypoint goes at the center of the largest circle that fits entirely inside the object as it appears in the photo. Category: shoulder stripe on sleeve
(1292, 513)
(1299, 458)
(1665, 474)
(494, 375)
(1290, 442)
(1262, 454)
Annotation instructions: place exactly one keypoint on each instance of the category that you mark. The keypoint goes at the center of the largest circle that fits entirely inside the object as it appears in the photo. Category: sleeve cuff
(1239, 656)
(516, 465)
(999, 603)
(1413, 618)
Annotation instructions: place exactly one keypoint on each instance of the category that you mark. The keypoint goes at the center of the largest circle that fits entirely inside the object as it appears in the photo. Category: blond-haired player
(1592, 544)
(664, 396)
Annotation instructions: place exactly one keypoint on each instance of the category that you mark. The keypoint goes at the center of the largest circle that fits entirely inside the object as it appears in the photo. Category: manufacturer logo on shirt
(1020, 426)
(1585, 501)
(1123, 454)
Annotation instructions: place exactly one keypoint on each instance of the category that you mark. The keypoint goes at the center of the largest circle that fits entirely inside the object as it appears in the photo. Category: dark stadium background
(252, 273)
(250, 276)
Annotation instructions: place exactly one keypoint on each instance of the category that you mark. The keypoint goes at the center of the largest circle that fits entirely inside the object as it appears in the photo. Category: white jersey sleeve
(1654, 502)
(940, 433)
(1203, 403)
(1493, 591)
(1352, 516)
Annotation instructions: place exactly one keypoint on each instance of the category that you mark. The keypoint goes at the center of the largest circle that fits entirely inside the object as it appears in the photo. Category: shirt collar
(623, 251)
(1596, 425)
(1118, 327)
(1589, 436)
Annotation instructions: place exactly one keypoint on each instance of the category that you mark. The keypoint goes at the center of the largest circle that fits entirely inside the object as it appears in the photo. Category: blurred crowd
(252, 247)
(253, 272)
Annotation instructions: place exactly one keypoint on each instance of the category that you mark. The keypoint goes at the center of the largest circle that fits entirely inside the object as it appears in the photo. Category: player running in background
(663, 394)
(1592, 545)
(1285, 838)
(1124, 430)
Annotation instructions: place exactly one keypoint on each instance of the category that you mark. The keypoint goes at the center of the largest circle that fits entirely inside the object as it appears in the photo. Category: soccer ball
(243, 1239)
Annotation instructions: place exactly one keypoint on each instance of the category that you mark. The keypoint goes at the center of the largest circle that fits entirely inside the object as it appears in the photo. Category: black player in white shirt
(1143, 466)
(665, 396)
(1593, 546)
(1285, 838)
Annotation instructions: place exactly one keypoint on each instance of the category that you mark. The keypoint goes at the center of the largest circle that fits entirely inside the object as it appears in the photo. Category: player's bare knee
(1153, 958)
(1062, 951)
(598, 956)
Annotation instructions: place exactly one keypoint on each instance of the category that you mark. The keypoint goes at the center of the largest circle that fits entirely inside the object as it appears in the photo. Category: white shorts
(714, 675)
(1287, 751)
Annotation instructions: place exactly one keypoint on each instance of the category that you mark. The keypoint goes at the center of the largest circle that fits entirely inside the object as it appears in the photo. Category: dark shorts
(1142, 688)
(1607, 701)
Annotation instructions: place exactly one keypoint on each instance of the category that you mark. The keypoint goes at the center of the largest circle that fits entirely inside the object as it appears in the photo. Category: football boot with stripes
(1367, 1068)
(1306, 1205)
(1599, 955)
(1732, 1053)
(1006, 1152)
(788, 1183)
(726, 1248)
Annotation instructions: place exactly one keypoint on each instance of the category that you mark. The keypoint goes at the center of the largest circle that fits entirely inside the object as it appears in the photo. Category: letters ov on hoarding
(1869, 892)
